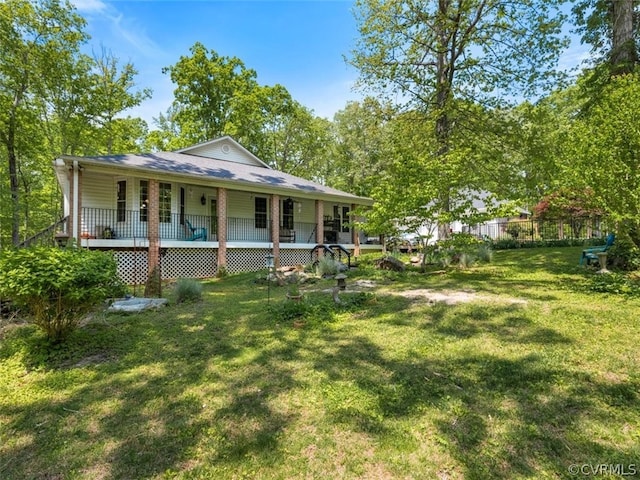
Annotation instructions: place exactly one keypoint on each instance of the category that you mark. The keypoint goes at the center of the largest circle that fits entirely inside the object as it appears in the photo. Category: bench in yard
(591, 254)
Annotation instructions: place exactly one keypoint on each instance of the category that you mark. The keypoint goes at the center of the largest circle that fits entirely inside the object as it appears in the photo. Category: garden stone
(391, 263)
(134, 305)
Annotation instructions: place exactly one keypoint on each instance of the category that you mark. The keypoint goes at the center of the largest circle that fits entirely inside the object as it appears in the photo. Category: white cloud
(133, 34)
(89, 6)
(110, 27)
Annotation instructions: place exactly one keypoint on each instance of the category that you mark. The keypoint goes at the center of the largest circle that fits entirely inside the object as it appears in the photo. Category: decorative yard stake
(269, 263)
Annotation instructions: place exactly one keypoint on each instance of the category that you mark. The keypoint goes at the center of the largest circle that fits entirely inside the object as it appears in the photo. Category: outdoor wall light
(203, 199)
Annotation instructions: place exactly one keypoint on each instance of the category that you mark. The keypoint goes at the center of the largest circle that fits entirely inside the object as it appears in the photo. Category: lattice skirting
(188, 263)
(132, 266)
(199, 262)
(254, 259)
(294, 257)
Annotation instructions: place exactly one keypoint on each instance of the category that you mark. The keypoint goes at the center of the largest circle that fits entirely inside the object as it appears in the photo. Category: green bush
(615, 283)
(460, 242)
(327, 267)
(510, 243)
(56, 287)
(624, 254)
(485, 253)
(187, 290)
(466, 260)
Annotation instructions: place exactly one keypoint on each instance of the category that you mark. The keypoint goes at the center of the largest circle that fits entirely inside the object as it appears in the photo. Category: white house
(197, 210)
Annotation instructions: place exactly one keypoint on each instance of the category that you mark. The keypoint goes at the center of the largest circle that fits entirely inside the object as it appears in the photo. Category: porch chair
(591, 254)
(197, 233)
(287, 235)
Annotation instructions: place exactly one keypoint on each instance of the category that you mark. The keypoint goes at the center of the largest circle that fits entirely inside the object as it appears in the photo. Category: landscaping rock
(134, 305)
(390, 263)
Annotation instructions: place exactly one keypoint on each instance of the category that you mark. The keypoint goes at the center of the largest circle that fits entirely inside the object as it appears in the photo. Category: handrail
(331, 250)
(43, 233)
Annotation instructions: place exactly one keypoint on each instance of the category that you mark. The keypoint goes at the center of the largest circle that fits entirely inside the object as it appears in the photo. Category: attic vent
(226, 148)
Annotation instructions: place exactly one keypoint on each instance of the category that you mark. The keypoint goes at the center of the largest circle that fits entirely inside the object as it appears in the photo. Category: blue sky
(300, 44)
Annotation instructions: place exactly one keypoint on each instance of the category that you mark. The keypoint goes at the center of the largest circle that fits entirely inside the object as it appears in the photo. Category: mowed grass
(533, 377)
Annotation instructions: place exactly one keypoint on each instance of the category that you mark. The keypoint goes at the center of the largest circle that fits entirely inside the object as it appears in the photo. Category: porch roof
(220, 172)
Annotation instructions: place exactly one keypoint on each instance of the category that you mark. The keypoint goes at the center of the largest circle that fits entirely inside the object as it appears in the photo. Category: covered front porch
(131, 225)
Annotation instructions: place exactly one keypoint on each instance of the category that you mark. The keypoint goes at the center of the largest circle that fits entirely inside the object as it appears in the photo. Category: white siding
(100, 192)
(224, 151)
(242, 204)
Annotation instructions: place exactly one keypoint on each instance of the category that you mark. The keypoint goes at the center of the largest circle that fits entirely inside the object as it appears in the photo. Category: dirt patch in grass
(432, 296)
(94, 359)
(453, 297)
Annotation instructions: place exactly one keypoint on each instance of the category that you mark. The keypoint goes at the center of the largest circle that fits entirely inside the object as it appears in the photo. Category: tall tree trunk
(15, 198)
(443, 125)
(13, 177)
(624, 55)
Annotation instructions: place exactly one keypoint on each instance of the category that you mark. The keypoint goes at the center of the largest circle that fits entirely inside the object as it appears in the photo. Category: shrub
(57, 287)
(465, 260)
(445, 261)
(460, 242)
(506, 244)
(485, 253)
(520, 229)
(327, 267)
(318, 309)
(287, 311)
(624, 254)
(614, 283)
(188, 290)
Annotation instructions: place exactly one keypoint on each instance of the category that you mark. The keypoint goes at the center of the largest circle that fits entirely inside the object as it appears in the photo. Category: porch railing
(112, 224)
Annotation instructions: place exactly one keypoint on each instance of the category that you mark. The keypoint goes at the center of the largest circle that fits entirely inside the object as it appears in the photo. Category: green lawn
(535, 376)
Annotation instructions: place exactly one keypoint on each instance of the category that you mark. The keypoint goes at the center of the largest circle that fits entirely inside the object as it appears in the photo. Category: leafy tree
(218, 95)
(167, 136)
(539, 132)
(409, 181)
(34, 37)
(111, 94)
(604, 153)
(211, 92)
(611, 28)
(285, 134)
(569, 205)
(440, 57)
(358, 138)
(54, 100)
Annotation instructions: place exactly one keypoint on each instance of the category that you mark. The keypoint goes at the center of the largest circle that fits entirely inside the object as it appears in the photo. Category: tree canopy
(53, 99)
(463, 99)
(450, 61)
